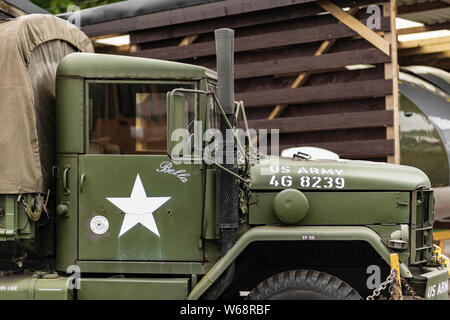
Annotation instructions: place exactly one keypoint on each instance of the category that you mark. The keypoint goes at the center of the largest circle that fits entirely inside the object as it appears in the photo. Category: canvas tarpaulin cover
(31, 47)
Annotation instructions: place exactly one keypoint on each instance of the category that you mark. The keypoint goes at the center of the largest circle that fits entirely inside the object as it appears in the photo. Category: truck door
(134, 202)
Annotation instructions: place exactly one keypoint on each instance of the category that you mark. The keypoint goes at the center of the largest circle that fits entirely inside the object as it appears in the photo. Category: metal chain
(389, 280)
(33, 215)
(411, 290)
(394, 286)
(395, 289)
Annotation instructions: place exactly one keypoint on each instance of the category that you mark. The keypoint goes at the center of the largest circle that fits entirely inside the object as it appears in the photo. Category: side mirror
(176, 118)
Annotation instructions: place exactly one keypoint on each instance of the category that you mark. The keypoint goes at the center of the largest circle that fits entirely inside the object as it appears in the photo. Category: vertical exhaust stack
(227, 196)
(225, 68)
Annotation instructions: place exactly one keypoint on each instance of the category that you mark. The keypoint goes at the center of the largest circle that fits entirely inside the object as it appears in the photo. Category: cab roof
(105, 66)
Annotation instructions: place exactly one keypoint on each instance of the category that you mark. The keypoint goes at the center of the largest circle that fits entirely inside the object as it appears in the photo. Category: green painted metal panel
(342, 175)
(33, 287)
(397, 231)
(66, 225)
(437, 284)
(338, 208)
(8, 219)
(177, 229)
(69, 115)
(15, 225)
(147, 267)
(89, 65)
(297, 233)
(133, 289)
(53, 289)
(17, 287)
(210, 226)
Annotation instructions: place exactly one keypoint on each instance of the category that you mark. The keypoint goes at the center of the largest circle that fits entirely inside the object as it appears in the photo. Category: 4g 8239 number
(314, 182)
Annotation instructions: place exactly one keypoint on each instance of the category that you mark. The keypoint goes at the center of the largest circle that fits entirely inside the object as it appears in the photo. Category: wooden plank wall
(291, 56)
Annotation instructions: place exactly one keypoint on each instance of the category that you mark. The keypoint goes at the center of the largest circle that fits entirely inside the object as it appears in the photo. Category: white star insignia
(138, 208)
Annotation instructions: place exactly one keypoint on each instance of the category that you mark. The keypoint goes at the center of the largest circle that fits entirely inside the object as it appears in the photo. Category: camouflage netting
(31, 47)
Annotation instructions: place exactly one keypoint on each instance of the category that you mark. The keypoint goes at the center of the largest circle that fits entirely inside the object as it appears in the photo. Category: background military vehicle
(425, 127)
(424, 121)
(99, 209)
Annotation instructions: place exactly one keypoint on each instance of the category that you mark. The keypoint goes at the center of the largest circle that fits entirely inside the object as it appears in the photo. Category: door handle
(65, 180)
(82, 178)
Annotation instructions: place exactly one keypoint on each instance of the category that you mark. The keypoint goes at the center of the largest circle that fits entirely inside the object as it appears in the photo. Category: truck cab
(123, 204)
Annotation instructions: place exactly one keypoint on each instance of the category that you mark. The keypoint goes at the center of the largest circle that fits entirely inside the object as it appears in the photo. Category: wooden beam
(278, 54)
(391, 73)
(256, 42)
(423, 59)
(441, 47)
(358, 149)
(356, 25)
(426, 28)
(321, 93)
(110, 49)
(337, 121)
(423, 42)
(419, 7)
(313, 64)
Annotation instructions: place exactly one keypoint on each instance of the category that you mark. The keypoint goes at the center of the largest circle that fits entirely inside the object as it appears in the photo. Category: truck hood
(338, 175)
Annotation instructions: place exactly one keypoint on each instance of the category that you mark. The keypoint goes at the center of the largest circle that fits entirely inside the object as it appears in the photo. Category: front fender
(298, 233)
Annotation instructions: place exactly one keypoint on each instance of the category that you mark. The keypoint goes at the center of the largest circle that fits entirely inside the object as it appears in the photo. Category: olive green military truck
(96, 204)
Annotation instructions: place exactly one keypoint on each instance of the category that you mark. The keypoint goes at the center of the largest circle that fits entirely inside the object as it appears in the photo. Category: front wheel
(303, 285)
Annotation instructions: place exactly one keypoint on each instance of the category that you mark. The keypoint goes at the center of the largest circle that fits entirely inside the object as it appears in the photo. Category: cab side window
(130, 118)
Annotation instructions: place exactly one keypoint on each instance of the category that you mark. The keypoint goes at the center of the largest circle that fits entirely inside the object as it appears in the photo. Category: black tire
(303, 285)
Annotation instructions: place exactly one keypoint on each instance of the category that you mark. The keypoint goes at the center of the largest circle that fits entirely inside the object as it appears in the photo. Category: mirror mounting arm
(170, 95)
